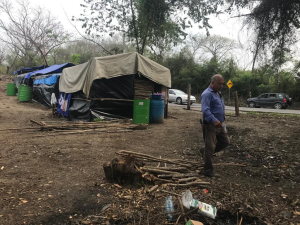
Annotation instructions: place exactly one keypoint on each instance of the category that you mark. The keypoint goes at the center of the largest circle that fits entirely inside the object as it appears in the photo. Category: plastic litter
(203, 208)
(169, 207)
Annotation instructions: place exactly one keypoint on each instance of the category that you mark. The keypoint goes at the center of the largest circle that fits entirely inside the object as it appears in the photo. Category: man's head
(217, 82)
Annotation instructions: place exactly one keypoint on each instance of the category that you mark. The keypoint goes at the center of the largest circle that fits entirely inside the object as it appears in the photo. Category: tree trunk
(189, 97)
(134, 27)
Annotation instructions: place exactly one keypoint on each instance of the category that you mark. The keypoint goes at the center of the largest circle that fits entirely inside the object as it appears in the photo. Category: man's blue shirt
(212, 106)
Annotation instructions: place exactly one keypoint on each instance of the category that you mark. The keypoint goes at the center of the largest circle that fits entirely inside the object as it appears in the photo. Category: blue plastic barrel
(157, 110)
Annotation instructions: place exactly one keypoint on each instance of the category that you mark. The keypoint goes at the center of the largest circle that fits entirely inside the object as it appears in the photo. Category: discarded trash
(169, 207)
(204, 209)
(224, 127)
(205, 191)
(193, 222)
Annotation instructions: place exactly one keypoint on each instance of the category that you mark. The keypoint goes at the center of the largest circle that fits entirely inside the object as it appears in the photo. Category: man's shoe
(208, 173)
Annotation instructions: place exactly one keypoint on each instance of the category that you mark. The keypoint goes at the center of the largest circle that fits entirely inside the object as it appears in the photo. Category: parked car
(276, 100)
(180, 97)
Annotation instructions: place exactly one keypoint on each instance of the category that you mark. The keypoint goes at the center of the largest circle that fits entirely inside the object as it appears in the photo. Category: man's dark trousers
(215, 140)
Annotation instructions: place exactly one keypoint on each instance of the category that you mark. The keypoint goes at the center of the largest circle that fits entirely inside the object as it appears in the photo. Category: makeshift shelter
(19, 79)
(43, 87)
(49, 70)
(107, 85)
(29, 69)
(19, 75)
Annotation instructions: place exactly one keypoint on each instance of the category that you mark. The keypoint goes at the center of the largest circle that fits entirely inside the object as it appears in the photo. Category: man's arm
(206, 110)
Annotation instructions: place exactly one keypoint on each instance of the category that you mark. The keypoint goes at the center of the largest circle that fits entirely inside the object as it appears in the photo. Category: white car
(180, 97)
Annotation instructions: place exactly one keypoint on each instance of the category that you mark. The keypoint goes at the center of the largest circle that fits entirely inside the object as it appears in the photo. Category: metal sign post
(229, 85)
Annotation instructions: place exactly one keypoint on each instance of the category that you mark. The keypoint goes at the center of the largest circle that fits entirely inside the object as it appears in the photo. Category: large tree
(275, 23)
(30, 31)
(216, 46)
(146, 22)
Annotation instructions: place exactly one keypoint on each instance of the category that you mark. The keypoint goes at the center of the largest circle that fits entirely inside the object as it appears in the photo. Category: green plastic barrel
(141, 109)
(19, 90)
(10, 89)
(24, 93)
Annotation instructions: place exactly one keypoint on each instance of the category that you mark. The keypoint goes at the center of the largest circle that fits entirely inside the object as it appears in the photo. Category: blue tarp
(29, 69)
(50, 69)
(49, 80)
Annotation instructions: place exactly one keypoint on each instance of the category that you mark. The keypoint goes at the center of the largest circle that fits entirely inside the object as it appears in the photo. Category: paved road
(245, 109)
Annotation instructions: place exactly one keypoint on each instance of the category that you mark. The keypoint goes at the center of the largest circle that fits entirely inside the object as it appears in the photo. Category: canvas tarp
(81, 77)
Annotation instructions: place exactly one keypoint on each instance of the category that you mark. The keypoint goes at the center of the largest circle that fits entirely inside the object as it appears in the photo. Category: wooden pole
(236, 103)
(189, 97)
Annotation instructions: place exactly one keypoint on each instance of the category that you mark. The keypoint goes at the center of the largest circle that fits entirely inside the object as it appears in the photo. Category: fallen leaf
(98, 195)
(205, 191)
(2, 167)
(284, 166)
(128, 197)
(295, 202)
(296, 212)
(1, 216)
(118, 186)
(23, 200)
(284, 195)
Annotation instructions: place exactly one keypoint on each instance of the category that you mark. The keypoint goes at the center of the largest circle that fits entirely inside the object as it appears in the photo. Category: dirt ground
(60, 179)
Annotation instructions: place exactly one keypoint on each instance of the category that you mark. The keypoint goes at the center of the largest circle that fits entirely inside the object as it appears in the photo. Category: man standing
(214, 133)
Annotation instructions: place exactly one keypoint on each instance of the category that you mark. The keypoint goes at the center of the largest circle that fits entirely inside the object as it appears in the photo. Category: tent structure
(19, 79)
(42, 79)
(108, 85)
(29, 69)
(49, 70)
(45, 82)
(20, 74)
(43, 87)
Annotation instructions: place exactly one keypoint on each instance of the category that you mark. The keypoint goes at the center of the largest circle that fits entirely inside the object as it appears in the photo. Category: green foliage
(75, 58)
(276, 21)
(146, 22)
(2, 69)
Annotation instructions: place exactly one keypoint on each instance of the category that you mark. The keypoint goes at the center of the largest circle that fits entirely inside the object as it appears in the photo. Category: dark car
(276, 100)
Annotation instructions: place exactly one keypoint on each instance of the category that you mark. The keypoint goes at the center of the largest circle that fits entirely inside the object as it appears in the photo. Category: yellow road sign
(229, 84)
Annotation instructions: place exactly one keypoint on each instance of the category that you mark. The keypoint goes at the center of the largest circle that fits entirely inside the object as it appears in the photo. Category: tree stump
(123, 171)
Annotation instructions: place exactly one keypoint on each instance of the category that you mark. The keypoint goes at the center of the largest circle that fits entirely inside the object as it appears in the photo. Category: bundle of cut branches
(183, 173)
(83, 127)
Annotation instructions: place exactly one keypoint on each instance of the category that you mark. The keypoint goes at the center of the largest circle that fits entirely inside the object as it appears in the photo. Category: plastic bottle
(169, 207)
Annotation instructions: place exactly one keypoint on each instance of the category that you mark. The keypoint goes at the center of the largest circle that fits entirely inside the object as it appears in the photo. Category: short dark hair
(215, 77)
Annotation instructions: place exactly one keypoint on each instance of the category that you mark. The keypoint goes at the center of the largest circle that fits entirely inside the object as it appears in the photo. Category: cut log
(123, 171)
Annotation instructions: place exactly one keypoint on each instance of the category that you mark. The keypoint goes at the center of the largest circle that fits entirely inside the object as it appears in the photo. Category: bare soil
(60, 180)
